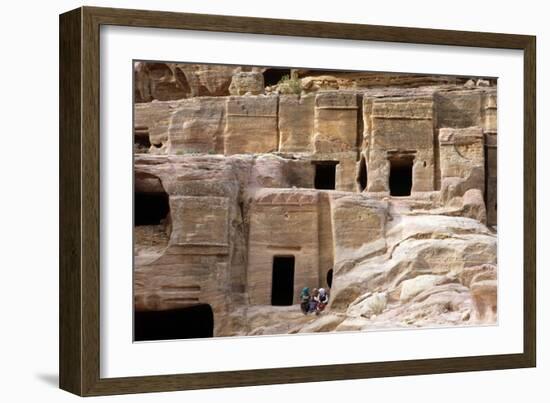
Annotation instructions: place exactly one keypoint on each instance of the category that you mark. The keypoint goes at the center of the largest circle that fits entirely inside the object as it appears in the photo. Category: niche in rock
(362, 178)
(150, 208)
(273, 76)
(329, 278)
(191, 322)
(325, 175)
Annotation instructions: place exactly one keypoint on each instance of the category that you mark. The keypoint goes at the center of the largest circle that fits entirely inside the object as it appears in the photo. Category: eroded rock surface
(380, 188)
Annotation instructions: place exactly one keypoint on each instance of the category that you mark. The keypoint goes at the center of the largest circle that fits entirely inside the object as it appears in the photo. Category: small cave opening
(152, 222)
(325, 175)
(142, 143)
(150, 208)
(273, 76)
(282, 284)
(329, 278)
(401, 176)
(362, 178)
(193, 322)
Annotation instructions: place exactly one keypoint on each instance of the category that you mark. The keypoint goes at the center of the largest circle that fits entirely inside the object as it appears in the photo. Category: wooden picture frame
(79, 201)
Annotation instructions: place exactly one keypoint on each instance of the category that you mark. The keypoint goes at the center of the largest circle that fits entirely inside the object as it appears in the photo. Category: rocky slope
(429, 271)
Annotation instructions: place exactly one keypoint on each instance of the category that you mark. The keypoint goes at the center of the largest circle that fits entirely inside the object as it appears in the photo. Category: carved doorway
(282, 285)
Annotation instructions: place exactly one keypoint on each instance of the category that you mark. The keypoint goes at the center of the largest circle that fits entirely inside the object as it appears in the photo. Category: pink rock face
(379, 188)
(171, 81)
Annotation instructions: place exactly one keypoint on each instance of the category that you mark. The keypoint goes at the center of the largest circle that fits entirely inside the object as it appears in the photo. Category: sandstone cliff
(381, 187)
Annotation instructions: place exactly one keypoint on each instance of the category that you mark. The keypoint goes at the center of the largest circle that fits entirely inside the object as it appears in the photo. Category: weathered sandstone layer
(381, 188)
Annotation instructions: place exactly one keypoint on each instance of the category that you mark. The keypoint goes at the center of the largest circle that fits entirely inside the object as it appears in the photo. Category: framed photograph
(249, 201)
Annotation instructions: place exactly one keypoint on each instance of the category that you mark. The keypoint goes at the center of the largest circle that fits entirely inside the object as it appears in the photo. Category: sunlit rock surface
(379, 188)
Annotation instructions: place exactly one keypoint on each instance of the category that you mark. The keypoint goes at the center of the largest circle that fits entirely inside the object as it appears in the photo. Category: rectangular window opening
(325, 175)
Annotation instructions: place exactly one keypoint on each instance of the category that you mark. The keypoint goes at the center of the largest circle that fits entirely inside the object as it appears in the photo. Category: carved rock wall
(282, 223)
(251, 125)
(240, 172)
(296, 122)
(399, 127)
(197, 126)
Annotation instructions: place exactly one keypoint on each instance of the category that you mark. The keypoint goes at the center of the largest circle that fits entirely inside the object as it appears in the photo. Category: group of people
(314, 301)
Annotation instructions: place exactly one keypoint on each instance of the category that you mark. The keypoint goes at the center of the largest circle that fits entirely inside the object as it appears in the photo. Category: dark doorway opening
(329, 278)
(401, 176)
(273, 76)
(150, 208)
(282, 285)
(362, 179)
(141, 139)
(325, 175)
(192, 322)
